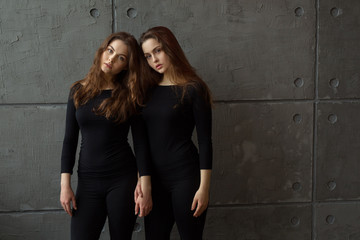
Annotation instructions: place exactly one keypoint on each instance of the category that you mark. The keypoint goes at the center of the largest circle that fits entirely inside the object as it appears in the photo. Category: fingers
(135, 195)
(141, 213)
(200, 207)
(143, 207)
(144, 211)
(137, 192)
(136, 208)
(74, 203)
(67, 198)
(199, 210)
(193, 205)
(66, 206)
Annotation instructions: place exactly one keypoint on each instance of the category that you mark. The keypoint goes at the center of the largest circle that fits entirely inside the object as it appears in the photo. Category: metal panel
(30, 226)
(45, 226)
(257, 223)
(336, 221)
(30, 150)
(262, 153)
(48, 45)
(242, 49)
(338, 151)
(339, 47)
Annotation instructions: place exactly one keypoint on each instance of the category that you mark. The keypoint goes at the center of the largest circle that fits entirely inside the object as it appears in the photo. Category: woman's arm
(141, 145)
(70, 139)
(67, 197)
(142, 193)
(203, 122)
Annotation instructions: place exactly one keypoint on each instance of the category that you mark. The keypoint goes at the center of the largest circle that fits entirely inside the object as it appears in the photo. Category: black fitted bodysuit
(107, 170)
(176, 162)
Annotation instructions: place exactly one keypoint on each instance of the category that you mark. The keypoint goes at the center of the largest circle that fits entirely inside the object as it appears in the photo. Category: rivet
(331, 185)
(299, 11)
(335, 12)
(330, 219)
(295, 221)
(95, 13)
(137, 227)
(297, 118)
(131, 13)
(297, 186)
(298, 82)
(332, 118)
(334, 82)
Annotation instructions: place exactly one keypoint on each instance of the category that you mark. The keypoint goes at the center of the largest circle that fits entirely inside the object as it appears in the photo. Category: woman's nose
(154, 59)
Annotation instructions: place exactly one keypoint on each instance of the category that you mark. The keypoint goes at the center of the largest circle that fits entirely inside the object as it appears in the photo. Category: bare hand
(200, 202)
(137, 193)
(67, 198)
(143, 205)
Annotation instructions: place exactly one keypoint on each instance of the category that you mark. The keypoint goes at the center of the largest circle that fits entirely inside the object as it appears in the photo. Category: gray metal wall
(285, 77)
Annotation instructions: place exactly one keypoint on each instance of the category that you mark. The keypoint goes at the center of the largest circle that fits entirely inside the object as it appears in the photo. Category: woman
(103, 106)
(180, 174)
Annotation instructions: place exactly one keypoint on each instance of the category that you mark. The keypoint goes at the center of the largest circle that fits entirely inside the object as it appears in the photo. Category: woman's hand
(201, 198)
(142, 196)
(67, 198)
(200, 202)
(137, 191)
(143, 205)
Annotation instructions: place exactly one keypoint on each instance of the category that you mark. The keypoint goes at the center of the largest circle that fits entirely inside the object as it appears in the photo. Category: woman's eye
(147, 56)
(121, 58)
(109, 50)
(158, 50)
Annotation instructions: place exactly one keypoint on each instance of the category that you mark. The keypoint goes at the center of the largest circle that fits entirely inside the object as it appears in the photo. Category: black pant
(98, 198)
(172, 203)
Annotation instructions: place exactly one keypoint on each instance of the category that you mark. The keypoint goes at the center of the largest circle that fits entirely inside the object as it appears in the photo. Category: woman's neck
(107, 83)
(167, 80)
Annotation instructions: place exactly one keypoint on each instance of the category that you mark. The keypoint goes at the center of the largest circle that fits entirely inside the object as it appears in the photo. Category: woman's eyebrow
(122, 54)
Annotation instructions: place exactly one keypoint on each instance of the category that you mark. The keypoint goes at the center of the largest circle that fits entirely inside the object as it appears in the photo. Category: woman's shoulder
(76, 86)
(199, 92)
(195, 88)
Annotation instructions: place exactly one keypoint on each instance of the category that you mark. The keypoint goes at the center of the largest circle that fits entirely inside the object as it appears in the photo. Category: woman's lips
(158, 66)
(108, 65)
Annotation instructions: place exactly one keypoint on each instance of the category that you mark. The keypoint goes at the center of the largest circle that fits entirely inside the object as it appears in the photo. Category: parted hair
(129, 86)
(183, 74)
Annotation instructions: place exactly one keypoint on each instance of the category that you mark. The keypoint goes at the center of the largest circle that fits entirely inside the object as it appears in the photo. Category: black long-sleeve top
(170, 124)
(104, 149)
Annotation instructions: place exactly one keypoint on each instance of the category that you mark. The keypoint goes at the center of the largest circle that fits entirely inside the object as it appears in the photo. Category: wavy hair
(129, 88)
(182, 73)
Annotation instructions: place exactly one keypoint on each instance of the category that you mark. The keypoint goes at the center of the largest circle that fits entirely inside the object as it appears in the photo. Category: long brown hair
(129, 87)
(184, 74)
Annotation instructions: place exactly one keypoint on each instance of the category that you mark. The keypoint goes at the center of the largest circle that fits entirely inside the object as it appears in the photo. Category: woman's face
(115, 58)
(155, 55)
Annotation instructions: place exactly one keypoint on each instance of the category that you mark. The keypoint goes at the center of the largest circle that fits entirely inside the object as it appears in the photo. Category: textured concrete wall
(285, 77)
